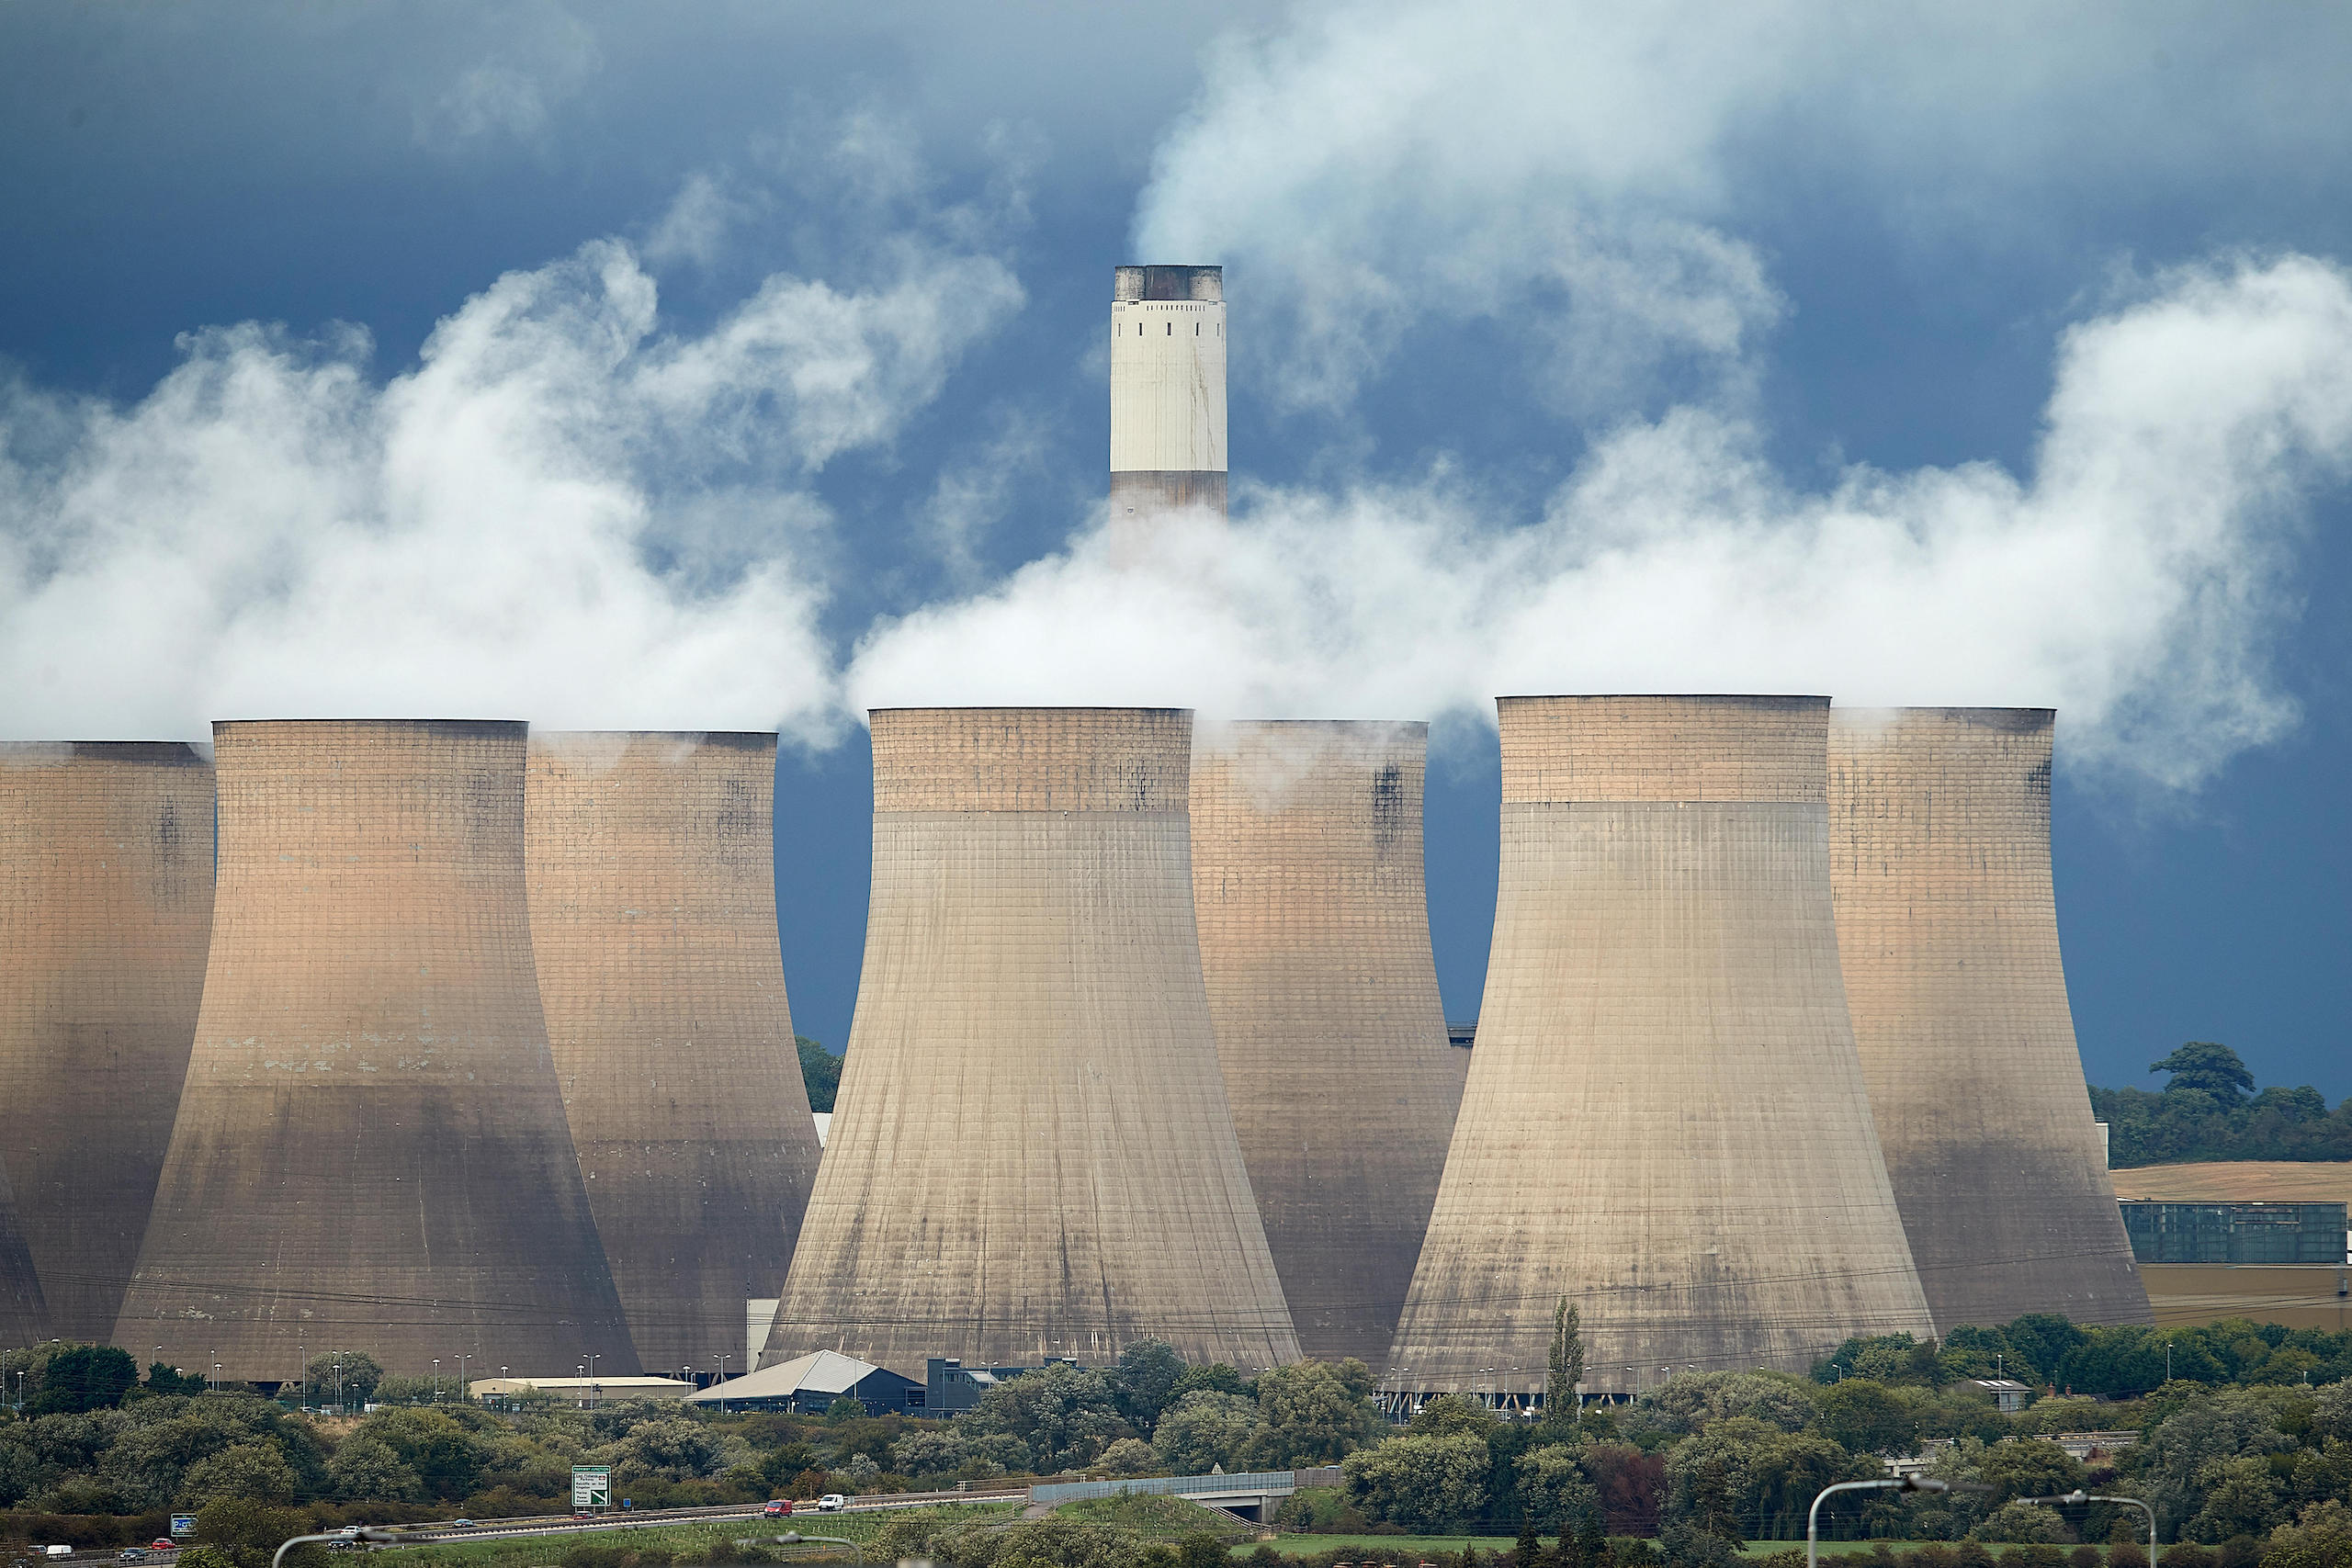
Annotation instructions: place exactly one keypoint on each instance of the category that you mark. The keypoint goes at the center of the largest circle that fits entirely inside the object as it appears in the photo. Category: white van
(57, 1552)
(831, 1503)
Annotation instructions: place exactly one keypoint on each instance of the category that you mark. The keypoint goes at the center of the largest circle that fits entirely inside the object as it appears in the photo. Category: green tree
(2321, 1537)
(1310, 1416)
(1065, 1415)
(1206, 1429)
(346, 1377)
(1862, 1416)
(255, 1471)
(820, 1071)
(1422, 1482)
(1145, 1382)
(2242, 1497)
(83, 1377)
(1529, 1550)
(1552, 1490)
(367, 1470)
(2030, 1467)
(2204, 1064)
(1450, 1414)
(1564, 1367)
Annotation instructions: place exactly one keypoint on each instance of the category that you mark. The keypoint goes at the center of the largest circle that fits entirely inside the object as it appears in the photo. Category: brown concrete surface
(1307, 886)
(371, 1153)
(1032, 1152)
(2238, 1181)
(1948, 930)
(2296, 1295)
(650, 864)
(24, 1316)
(1665, 1120)
(105, 910)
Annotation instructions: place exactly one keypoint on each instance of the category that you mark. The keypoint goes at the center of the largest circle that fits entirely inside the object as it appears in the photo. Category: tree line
(2210, 1110)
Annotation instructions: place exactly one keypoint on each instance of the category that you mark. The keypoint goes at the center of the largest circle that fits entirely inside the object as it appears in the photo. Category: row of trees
(2210, 1110)
(1152, 1414)
(2118, 1360)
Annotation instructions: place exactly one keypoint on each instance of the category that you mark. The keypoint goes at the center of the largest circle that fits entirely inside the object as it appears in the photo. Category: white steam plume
(560, 513)
(2131, 580)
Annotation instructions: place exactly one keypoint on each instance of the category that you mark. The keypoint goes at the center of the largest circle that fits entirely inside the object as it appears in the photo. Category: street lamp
(591, 1380)
(1891, 1483)
(2079, 1496)
(436, 1381)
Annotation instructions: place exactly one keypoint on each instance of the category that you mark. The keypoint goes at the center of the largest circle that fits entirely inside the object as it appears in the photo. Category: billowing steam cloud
(560, 514)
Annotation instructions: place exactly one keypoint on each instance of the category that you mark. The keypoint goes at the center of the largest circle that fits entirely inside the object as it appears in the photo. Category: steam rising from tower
(1166, 389)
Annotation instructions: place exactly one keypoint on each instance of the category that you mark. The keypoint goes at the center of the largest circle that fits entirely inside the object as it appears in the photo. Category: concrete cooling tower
(1166, 389)
(1947, 928)
(371, 1153)
(1666, 1119)
(24, 1316)
(650, 862)
(1032, 1152)
(1315, 942)
(105, 912)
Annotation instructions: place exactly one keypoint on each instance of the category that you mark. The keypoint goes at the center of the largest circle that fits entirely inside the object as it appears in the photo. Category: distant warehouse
(2236, 1233)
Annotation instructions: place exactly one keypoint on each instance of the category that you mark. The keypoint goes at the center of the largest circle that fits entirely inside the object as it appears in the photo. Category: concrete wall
(1315, 941)
(370, 1152)
(1032, 1154)
(1947, 928)
(106, 908)
(1666, 1119)
(1168, 430)
(651, 869)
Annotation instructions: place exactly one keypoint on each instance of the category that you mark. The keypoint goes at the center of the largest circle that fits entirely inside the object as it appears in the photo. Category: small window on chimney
(1172, 329)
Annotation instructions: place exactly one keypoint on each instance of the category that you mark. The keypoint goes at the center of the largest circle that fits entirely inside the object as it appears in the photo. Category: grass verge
(690, 1539)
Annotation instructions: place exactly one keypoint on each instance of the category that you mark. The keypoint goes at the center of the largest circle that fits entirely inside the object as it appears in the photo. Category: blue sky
(741, 365)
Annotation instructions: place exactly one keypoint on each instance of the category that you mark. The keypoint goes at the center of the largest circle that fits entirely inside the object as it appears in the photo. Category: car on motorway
(778, 1508)
(831, 1503)
(132, 1554)
(57, 1552)
(163, 1543)
(461, 1524)
(583, 1514)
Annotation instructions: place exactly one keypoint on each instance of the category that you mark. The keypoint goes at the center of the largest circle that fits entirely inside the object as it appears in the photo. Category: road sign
(591, 1485)
(183, 1524)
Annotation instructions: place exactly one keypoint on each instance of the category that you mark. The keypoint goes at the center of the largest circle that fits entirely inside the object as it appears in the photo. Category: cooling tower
(1032, 1154)
(371, 1153)
(1315, 942)
(24, 1318)
(1665, 1120)
(650, 862)
(1166, 389)
(1947, 928)
(104, 911)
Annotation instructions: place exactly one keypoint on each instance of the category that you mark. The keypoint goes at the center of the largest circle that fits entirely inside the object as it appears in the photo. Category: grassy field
(693, 1538)
(2238, 1181)
(1404, 1549)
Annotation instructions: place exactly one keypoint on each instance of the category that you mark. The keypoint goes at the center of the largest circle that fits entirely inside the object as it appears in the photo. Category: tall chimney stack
(1166, 389)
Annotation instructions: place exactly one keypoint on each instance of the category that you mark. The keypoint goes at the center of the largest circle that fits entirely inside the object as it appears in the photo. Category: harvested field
(2238, 1181)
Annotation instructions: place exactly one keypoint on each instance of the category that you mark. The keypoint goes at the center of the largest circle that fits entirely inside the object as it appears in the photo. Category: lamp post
(1891, 1483)
(2078, 1495)
(462, 1388)
(722, 1358)
(436, 1398)
(373, 1534)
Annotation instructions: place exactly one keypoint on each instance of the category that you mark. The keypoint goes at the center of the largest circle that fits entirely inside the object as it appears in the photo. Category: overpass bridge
(1253, 1495)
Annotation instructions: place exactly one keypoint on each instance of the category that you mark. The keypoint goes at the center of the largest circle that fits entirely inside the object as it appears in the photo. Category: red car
(163, 1545)
(778, 1508)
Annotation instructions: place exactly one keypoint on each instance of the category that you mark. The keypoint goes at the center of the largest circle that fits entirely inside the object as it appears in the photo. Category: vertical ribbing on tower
(1665, 1120)
(1315, 939)
(650, 862)
(1032, 1152)
(105, 912)
(370, 1152)
(1948, 930)
(1166, 389)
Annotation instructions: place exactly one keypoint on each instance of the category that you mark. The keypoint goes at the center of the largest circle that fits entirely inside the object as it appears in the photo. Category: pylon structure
(651, 870)
(1315, 939)
(1666, 1122)
(1032, 1154)
(1947, 932)
(105, 910)
(370, 1152)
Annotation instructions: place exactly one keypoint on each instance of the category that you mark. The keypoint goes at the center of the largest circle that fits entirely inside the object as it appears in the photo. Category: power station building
(1166, 389)
(1665, 1120)
(370, 1152)
(651, 869)
(105, 910)
(1032, 1154)
(1309, 888)
(1947, 930)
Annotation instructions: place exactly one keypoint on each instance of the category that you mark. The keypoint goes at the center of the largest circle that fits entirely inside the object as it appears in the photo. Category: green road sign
(591, 1485)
